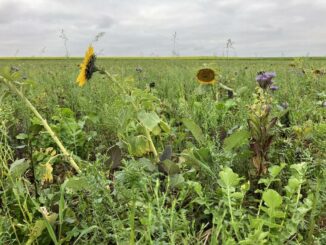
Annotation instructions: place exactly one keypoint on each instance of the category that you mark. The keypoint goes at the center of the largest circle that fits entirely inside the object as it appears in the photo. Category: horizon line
(160, 57)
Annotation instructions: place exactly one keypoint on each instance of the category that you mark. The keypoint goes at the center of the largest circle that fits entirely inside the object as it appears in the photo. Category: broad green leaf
(194, 129)
(177, 180)
(229, 178)
(138, 145)
(293, 184)
(149, 166)
(75, 184)
(237, 139)
(149, 119)
(300, 168)
(272, 199)
(18, 168)
(170, 167)
(275, 170)
(156, 130)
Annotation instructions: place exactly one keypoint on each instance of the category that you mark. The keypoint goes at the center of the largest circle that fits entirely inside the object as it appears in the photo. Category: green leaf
(138, 145)
(194, 129)
(177, 180)
(237, 139)
(275, 170)
(49, 221)
(165, 127)
(21, 136)
(84, 232)
(75, 184)
(36, 231)
(203, 154)
(156, 130)
(149, 119)
(272, 199)
(229, 178)
(18, 168)
(170, 167)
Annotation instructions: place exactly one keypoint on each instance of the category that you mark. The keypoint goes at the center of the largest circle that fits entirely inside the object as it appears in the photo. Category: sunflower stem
(14, 89)
(151, 145)
(148, 135)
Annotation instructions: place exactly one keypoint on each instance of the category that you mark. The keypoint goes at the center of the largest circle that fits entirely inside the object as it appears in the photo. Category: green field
(163, 158)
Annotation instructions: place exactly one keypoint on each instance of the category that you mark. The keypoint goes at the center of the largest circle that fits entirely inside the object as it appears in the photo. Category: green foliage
(181, 156)
(237, 139)
(194, 129)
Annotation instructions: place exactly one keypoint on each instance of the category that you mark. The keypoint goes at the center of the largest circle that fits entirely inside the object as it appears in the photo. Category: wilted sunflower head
(87, 67)
(206, 76)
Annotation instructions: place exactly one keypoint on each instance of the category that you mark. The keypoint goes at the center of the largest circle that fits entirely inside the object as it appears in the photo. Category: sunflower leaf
(149, 119)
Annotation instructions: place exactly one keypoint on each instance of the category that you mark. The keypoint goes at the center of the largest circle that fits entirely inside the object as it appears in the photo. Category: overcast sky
(146, 27)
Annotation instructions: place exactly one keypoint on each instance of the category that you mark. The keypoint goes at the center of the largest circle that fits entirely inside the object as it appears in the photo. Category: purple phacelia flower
(273, 87)
(265, 79)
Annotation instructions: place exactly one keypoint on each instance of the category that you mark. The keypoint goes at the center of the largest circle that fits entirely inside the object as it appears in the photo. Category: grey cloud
(135, 27)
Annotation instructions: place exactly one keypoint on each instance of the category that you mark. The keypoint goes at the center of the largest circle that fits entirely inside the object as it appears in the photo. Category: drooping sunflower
(206, 76)
(87, 67)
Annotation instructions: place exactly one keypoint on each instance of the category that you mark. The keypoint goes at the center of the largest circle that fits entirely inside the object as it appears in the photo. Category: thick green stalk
(151, 144)
(43, 121)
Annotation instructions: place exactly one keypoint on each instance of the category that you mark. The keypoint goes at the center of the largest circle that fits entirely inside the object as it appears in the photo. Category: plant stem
(151, 144)
(148, 135)
(43, 121)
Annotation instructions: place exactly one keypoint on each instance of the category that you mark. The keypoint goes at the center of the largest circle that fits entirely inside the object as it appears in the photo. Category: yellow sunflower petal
(81, 79)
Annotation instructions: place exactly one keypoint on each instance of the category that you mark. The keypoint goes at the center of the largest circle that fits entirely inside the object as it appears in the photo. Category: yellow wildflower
(87, 67)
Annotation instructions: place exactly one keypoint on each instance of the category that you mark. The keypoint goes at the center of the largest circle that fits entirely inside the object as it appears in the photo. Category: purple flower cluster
(265, 79)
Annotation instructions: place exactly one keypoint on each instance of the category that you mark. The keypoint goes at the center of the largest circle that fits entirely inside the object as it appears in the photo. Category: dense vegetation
(163, 159)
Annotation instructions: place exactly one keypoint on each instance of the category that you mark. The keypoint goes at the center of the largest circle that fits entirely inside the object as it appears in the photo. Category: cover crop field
(162, 151)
